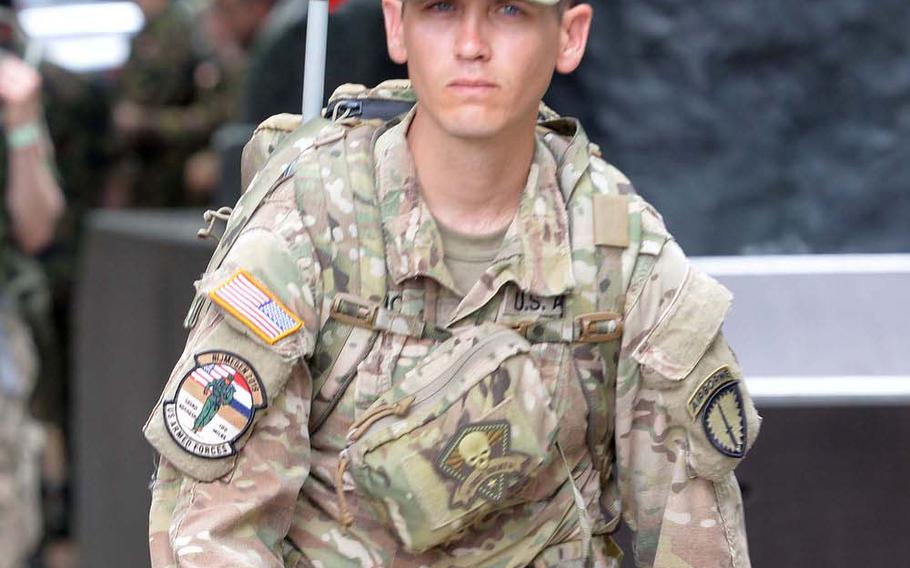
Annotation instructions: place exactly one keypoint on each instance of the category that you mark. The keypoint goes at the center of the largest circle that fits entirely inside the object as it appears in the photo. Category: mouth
(472, 85)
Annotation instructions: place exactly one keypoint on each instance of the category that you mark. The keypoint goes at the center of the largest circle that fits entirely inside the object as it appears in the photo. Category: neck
(472, 185)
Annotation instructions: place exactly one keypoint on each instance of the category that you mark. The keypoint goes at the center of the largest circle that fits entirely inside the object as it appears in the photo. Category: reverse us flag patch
(252, 303)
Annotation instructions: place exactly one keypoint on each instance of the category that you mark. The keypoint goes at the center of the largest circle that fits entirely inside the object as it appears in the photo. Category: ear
(573, 36)
(394, 34)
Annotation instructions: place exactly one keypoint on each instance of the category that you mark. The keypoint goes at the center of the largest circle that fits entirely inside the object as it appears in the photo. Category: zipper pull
(362, 424)
(346, 518)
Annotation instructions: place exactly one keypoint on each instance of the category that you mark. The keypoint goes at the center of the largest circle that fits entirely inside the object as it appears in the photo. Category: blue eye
(441, 6)
(510, 10)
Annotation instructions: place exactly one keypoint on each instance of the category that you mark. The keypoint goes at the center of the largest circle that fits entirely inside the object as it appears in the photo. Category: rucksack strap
(356, 311)
(354, 212)
(249, 203)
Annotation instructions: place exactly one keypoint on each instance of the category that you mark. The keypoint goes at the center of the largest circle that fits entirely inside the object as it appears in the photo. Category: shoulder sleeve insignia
(707, 387)
(252, 303)
(723, 416)
(214, 405)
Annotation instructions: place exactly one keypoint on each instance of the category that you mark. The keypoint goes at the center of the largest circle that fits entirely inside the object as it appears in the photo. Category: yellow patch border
(731, 378)
(245, 320)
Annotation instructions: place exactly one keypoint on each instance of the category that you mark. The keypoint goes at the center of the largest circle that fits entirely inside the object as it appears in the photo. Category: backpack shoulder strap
(596, 302)
(357, 267)
(275, 166)
(606, 234)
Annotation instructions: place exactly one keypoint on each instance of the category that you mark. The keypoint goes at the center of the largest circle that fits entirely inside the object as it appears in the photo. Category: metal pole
(314, 66)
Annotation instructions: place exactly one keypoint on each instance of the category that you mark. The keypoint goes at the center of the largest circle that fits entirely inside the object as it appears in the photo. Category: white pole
(314, 67)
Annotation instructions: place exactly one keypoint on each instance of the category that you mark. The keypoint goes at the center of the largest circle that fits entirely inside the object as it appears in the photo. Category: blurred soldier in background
(231, 29)
(77, 109)
(31, 205)
(154, 132)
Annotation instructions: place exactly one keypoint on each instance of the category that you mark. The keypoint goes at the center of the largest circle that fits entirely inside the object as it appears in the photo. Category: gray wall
(134, 291)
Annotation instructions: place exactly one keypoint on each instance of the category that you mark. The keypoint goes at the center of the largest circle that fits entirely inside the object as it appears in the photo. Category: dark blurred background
(776, 133)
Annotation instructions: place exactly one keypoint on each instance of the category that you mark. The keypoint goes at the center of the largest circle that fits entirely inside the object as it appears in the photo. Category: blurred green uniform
(158, 77)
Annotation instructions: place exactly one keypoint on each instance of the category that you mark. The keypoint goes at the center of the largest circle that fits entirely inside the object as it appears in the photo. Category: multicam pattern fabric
(304, 229)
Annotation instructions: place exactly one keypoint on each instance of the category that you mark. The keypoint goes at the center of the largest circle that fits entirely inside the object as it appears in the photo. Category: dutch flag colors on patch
(252, 303)
(241, 405)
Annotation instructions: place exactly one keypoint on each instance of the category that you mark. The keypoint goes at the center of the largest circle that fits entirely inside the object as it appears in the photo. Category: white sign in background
(820, 329)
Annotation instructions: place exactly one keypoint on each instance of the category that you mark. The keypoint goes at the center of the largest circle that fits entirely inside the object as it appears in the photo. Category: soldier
(30, 206)
(155, 128)
(458, 337)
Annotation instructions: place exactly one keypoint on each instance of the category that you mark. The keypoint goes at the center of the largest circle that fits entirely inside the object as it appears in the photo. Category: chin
(472, 122)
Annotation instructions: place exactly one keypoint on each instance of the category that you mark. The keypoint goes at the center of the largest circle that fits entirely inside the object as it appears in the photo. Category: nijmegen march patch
(723, 418)
(478, 457)
(214, 405)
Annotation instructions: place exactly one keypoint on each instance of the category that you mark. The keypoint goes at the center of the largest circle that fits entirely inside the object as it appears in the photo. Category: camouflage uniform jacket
(264, 492)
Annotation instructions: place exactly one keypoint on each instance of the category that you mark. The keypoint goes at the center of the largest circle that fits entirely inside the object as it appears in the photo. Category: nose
(471, 38)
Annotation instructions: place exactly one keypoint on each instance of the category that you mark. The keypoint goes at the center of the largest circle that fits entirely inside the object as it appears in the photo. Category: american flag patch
(250, 301)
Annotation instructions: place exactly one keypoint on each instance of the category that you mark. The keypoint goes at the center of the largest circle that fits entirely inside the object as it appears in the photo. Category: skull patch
(479, 459)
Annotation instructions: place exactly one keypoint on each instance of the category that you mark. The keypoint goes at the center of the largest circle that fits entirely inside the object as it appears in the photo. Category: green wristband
(24, 135)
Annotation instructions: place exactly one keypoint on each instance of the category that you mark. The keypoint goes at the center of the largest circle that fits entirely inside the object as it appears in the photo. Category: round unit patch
(214, 405)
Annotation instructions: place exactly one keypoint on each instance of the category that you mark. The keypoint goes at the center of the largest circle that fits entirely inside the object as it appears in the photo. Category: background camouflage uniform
(23, 301)
(158, 77)
(275, 502)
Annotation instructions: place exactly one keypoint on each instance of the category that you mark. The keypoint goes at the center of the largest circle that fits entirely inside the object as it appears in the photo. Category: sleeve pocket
(687, 360)
(683, 335)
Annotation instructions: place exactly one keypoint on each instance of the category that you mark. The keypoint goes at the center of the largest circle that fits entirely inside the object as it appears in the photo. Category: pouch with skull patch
(463, 434)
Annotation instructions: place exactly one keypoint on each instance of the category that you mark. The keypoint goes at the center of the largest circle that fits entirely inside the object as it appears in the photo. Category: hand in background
(20, 92)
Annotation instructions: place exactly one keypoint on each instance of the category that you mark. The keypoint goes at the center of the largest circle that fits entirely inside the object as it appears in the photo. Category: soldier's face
(480, 67)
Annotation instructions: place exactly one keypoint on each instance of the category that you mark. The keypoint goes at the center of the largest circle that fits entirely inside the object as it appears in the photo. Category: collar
(535, 254)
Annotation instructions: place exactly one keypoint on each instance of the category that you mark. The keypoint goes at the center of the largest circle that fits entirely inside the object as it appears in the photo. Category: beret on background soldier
(343, 400)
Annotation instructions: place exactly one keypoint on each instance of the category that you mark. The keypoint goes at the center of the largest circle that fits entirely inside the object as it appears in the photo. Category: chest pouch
(463, 434)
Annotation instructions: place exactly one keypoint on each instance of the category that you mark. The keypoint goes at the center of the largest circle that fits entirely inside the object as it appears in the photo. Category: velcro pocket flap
(684, 334)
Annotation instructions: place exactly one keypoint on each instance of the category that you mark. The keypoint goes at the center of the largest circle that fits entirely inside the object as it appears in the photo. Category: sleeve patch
(214, 405)
(724, 421)
(255, 306)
